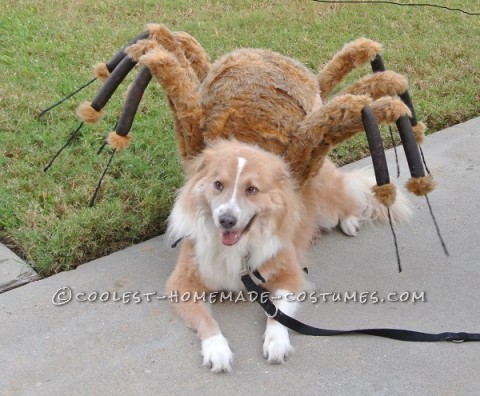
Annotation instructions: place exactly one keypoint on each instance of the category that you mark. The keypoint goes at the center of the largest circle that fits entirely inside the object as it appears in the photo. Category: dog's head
(240, 190)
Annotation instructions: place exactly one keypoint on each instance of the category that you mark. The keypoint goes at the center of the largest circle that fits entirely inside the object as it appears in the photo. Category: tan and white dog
(239, 201)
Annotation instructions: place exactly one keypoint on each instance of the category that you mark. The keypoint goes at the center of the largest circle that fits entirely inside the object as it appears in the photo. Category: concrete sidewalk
(143, 348)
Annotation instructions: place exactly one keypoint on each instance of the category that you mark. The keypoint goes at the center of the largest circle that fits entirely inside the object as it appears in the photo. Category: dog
(241, 201)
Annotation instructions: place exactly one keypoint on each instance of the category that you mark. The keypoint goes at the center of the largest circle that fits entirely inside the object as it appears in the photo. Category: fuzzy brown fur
(351, 56)
(101, 71)
(274, 227)
(264, 98)
(258, 118)
(419, 132)
(387, 83)
(117, 141)
(386, 194)
(421, 185)
(88, 114)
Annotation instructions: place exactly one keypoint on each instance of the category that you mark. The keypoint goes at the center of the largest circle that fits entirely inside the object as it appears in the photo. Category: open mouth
(230, 238)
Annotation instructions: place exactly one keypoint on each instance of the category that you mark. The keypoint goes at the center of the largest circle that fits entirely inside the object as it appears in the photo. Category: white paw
(216, 353)
(276, 346)
(350, 225)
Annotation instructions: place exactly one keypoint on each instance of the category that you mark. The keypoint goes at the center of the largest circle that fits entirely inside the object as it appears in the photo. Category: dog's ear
(198, 164)
(283, 175)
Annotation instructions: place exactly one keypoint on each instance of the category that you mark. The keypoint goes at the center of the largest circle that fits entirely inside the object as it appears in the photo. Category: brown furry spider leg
(332, 124)
(419, 184)
(120, 139)
(181, 87)
(102, 71)
(91, 112)
(351, 56)
(375, 145)
(178, 63)
(378, 66)
(384, 191)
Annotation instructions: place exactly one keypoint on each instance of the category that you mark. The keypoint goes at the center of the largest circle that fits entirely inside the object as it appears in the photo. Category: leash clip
(274, 315)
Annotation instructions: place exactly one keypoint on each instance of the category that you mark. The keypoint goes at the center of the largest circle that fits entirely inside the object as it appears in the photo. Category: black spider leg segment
(375, 145)
(408, 101)
(100, 180)
(379, 161)
(112, 83)
(70, 139)
(378, 66)
(416, 166)
(125, 122)
(133, 100)
(118, 57)
(43, 112)
(111, 65)
(410, 147)
(413, 119)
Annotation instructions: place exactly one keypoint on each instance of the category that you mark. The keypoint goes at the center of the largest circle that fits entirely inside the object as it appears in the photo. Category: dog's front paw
(350, 225)
(216, 353)
(276, 346)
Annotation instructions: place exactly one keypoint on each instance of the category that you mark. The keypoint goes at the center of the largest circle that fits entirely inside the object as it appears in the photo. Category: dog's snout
(227, 220)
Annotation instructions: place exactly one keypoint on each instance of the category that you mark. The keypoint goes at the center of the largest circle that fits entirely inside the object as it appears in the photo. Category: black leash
(397, 334)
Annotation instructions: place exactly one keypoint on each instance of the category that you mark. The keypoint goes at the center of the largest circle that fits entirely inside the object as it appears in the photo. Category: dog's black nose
(227, 220)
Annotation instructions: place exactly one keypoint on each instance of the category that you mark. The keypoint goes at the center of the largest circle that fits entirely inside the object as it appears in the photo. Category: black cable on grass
(102, 147)
(398, 4)
(97, 189)
(70, 139)
(110, 65)
(41, 113)
(105, 143)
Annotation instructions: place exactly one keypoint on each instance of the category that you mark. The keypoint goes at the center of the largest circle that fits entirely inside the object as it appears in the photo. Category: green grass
(47, 49)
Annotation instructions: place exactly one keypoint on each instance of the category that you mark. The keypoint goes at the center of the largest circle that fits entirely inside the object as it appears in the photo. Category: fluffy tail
(359, 186)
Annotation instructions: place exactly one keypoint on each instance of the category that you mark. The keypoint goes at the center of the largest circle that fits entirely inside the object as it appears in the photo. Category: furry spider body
(263, 98)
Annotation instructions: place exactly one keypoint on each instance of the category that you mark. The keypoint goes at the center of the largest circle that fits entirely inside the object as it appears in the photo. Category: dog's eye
(251, 190)
(218, 185)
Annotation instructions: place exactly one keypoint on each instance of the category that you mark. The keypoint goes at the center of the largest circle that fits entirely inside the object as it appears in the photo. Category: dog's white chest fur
(218, 269)
(220, 266)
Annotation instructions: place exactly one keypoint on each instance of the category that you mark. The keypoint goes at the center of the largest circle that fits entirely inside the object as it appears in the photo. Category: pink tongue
(230, 238)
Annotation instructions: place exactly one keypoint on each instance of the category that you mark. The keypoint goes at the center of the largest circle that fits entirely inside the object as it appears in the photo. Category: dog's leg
(185, 279)
(284, 280)
(276, 345)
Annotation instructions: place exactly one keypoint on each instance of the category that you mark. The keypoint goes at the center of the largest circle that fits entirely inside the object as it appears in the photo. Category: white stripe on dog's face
(240, 165)
(232, 204)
